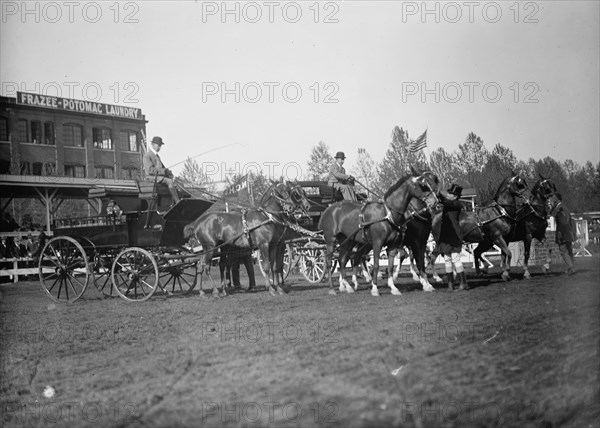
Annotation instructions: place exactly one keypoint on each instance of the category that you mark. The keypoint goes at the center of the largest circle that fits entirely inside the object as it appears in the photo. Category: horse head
(299, 197)
(511, 188)
(544, 191)
(278, 193)
(418, 186)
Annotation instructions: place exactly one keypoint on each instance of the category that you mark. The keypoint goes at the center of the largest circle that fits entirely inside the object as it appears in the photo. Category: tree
(192, 174)
(443, 164)
(320, 160)
(364, 169)
(471, 157)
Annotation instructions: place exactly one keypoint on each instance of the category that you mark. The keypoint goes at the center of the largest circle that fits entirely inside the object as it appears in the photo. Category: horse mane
(267, 192)
(536, 187)
(501, 187)
(395, 186)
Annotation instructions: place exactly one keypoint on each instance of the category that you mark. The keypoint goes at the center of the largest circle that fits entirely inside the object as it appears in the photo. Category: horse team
(405, 216)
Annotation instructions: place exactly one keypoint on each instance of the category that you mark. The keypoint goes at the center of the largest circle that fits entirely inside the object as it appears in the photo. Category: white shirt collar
(153, 151)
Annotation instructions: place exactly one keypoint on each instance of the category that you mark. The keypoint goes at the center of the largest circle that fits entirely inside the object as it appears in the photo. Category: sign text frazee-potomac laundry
(78, 105)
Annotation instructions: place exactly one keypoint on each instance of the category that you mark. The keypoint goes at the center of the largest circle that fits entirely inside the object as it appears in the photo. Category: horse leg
(418, 252)
(390, 270)
(266, 265)
(343, 259)
(506, 257)
(432, 258)
(401, 257)
(204, 264)
(277, 258)
(527, 249)
(328, 262)
(481, 248)
(357, 264)
(376, 251)
(546, 266)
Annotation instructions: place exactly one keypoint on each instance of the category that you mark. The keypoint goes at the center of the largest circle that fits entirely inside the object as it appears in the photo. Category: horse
(490, 224)
(261, 227)
(418, 227)
(372, 225)
(531, 221)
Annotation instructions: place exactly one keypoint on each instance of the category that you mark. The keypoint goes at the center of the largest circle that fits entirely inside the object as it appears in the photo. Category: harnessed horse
(261, 228)
(490, 224)
(531, 221)
(372, 226)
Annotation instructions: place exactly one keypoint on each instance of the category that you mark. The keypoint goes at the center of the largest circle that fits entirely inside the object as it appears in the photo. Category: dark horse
(418, 227)
(490, 224)
(262, 227)
(372, 225)
(531, 221)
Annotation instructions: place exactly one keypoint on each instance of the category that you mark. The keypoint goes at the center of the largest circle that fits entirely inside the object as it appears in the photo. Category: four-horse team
(410, 210)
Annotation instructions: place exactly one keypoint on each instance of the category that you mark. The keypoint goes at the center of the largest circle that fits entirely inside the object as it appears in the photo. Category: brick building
(52, 136)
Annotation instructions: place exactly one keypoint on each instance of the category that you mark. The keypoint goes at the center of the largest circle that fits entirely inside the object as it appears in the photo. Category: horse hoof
(216, 295)
(438, 279)
(349, 290)
(428, 289)
(505, 276)
(332, 292)
(415, 278)
(374, 292)
(280, 291)
(395, 293)
(527, 275)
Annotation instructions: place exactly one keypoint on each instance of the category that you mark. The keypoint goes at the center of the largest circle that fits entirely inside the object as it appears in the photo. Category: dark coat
(565, 227)
(450, 238)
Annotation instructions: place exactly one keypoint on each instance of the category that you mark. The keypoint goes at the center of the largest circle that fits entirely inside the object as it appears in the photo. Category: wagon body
(128, 253)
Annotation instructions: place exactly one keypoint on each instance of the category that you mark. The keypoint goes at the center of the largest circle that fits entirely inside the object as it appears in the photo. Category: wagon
(131, 250)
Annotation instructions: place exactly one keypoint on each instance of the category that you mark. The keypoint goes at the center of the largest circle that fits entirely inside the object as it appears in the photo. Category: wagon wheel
(178, 276)
(135, 274)
(312, 262)
(288, 261)
(102, 273)
(64, 269)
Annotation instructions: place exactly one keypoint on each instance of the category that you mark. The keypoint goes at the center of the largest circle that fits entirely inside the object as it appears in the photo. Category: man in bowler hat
(154, 167)
(339, 179)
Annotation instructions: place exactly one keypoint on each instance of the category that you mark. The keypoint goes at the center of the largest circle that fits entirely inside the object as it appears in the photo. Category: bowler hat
(340, 155)
(455, 189)
(157, 140)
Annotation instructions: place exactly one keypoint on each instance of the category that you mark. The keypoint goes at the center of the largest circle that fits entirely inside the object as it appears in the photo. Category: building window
(3, 129)
(73, 135)
(25, 168)
(102, 138)
(49, 133)
(22, 131)
(77, 171)
(37, 168)
(129, 141)
(36, 132)
(130, 174)
(104, 172)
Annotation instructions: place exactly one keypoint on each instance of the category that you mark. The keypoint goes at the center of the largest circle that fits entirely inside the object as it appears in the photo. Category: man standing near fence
(566, 233)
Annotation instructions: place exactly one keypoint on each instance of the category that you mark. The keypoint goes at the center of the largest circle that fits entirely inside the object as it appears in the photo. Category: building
(54, 149)
(43, 135)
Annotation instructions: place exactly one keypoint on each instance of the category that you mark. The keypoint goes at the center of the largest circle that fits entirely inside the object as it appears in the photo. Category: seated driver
(339, 179)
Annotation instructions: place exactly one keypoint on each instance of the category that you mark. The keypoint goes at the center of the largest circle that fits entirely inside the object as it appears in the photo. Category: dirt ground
(522, 353)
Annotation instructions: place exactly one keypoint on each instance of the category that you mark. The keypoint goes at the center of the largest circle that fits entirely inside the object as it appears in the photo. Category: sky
(258, 84)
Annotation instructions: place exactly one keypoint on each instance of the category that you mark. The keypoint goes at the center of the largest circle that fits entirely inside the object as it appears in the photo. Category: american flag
(418, 144)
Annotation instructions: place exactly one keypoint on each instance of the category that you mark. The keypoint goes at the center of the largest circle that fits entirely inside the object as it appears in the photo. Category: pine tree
(320, 160)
